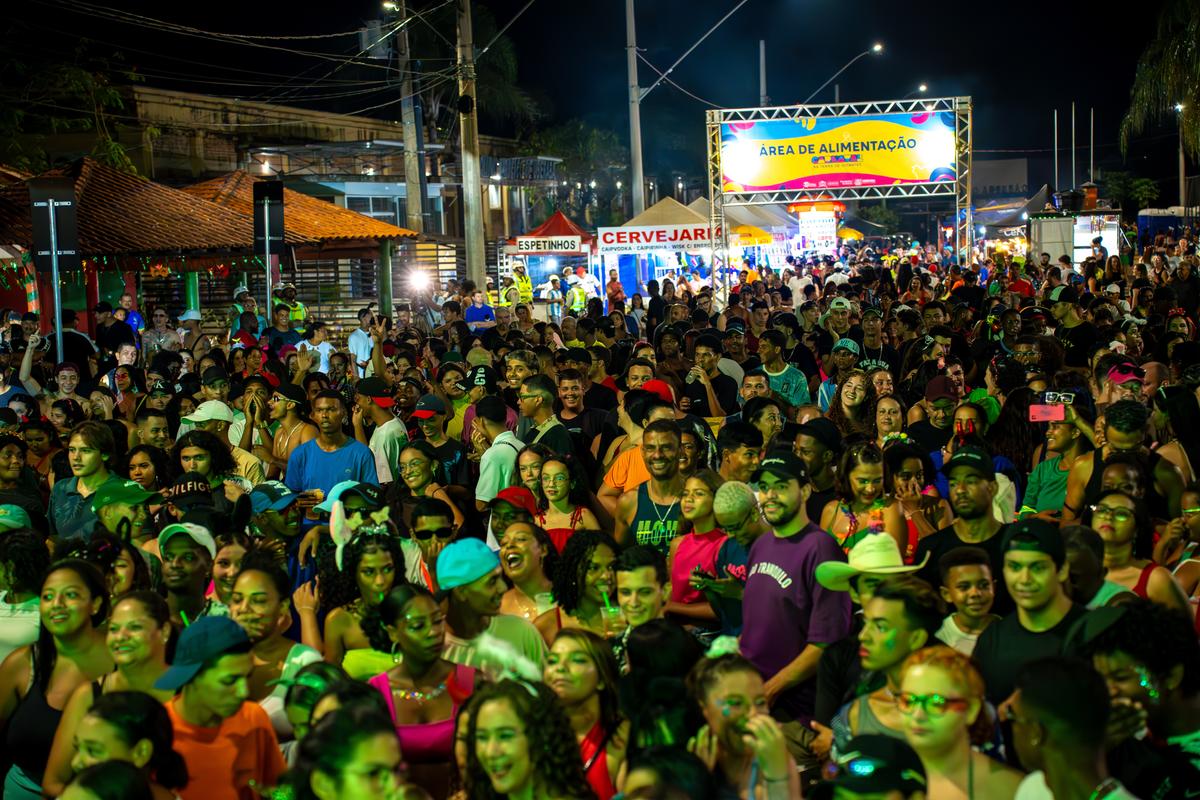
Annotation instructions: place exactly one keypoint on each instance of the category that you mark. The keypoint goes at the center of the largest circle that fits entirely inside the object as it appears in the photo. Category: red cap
(660, 388)
(520, 497)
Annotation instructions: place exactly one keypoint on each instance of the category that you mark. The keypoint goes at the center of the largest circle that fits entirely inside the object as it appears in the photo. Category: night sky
(1018, 60)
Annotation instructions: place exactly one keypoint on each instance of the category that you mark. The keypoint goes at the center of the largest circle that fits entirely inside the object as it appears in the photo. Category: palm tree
(1168, 76)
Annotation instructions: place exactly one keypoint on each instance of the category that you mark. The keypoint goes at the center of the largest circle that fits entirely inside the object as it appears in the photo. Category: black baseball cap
(214, 374)
(973, 458)
(824, 432)
(482, 375)
(782, 464)
(1037, 535)
(292, 392)
(1064, 294)
(377, 389)
(874, 764)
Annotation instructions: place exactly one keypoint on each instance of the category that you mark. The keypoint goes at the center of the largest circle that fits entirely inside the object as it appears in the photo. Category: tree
(1132, 193)
(881, 215)
(43, 98)
(498, 96)
(1168, 74)
(593, 161)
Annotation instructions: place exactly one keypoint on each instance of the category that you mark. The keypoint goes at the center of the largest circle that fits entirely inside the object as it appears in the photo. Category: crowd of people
(850, 530)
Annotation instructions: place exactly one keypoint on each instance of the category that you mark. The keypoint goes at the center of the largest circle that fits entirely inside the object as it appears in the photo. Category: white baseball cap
(210, 410)
(190, 314)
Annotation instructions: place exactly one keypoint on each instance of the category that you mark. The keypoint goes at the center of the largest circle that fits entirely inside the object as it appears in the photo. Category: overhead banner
(837, 152)
(535, 245)
(643, 238)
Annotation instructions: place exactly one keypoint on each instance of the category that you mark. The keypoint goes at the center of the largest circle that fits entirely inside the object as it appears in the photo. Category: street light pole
(468, 132)
(1182, 162)
(638, 187)
(875, 49)
(637, 95)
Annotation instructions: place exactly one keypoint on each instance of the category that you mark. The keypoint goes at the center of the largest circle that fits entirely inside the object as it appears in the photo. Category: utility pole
(468, 135)
(637, 188)
(762, 72)
(414, 164)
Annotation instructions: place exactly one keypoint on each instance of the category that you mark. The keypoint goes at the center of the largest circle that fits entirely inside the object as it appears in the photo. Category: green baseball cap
(12, 517)
(119, 491)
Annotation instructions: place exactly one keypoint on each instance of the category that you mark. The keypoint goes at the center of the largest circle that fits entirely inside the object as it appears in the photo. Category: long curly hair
(340, 587)
(553, 753)
(865, 424)
(572, 566)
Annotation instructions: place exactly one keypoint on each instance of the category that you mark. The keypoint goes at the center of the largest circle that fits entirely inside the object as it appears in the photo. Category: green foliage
(880, 215)
(41, 98)
(1132, 193)
(1168, 73)
(432, 41)
(588, 155)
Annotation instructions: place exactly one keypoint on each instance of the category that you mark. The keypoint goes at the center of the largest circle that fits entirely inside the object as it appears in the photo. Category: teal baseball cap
(13, 517)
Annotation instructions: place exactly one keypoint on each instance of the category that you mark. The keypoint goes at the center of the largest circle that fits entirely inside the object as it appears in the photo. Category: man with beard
(789, 618)
(154, 429)
(289, 407)
(260, 604)
(973, 487)
(470, 579)
(650, 514)
(1076, 335)
(187, 552)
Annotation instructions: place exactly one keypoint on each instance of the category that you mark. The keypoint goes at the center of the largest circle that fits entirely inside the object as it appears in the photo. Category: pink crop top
(432, 742)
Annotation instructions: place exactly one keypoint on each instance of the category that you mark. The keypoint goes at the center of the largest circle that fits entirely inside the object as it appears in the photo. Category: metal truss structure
(960, 188)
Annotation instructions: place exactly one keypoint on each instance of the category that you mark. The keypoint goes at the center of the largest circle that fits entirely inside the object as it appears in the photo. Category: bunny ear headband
(344, 530)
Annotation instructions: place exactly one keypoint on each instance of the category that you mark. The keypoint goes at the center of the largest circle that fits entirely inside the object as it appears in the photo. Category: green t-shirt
(1047, 489)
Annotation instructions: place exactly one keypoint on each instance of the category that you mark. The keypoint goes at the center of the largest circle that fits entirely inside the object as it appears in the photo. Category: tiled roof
(123, 214)
(307, 216)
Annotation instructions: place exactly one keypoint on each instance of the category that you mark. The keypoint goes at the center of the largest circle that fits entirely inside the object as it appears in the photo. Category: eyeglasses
(409, 466)
(1118, 514)
(1064, 398)
(556, 478)
(935, 705)
(441, 533)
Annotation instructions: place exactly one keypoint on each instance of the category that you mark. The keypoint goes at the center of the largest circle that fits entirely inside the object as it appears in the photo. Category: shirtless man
(289, 406)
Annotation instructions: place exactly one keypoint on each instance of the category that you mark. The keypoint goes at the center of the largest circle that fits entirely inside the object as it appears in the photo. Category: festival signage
(818, 231)
(643, 238)
(535, 245)
(837, 152)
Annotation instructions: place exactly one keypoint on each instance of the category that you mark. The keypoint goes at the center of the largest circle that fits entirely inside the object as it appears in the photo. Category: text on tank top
(655, 525)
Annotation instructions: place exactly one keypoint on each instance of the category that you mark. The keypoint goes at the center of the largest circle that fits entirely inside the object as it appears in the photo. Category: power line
(663, 77)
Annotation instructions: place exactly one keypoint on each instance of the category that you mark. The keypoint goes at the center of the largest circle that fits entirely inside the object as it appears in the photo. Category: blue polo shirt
(476, 313)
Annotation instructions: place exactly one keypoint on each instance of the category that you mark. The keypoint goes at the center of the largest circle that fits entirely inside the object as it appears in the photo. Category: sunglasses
(441, 533)
(1062, 398)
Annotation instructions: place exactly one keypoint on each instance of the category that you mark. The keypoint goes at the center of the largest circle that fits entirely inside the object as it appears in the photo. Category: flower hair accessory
(895, 437)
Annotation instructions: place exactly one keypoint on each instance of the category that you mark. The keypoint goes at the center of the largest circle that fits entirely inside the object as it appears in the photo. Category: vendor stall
(666, 238)
(555, 245)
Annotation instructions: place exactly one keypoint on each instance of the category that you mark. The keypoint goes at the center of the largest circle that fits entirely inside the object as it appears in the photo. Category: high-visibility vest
(502, 298)
(524, 288)
(493, 298)
(578, 298)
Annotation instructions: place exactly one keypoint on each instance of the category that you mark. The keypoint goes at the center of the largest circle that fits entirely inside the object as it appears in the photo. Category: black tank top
(655, 525)
(1156, 502)
(32, 726)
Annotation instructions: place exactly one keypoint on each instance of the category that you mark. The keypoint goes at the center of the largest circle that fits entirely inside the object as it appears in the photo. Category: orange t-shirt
(628, 470)
(222, 761)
